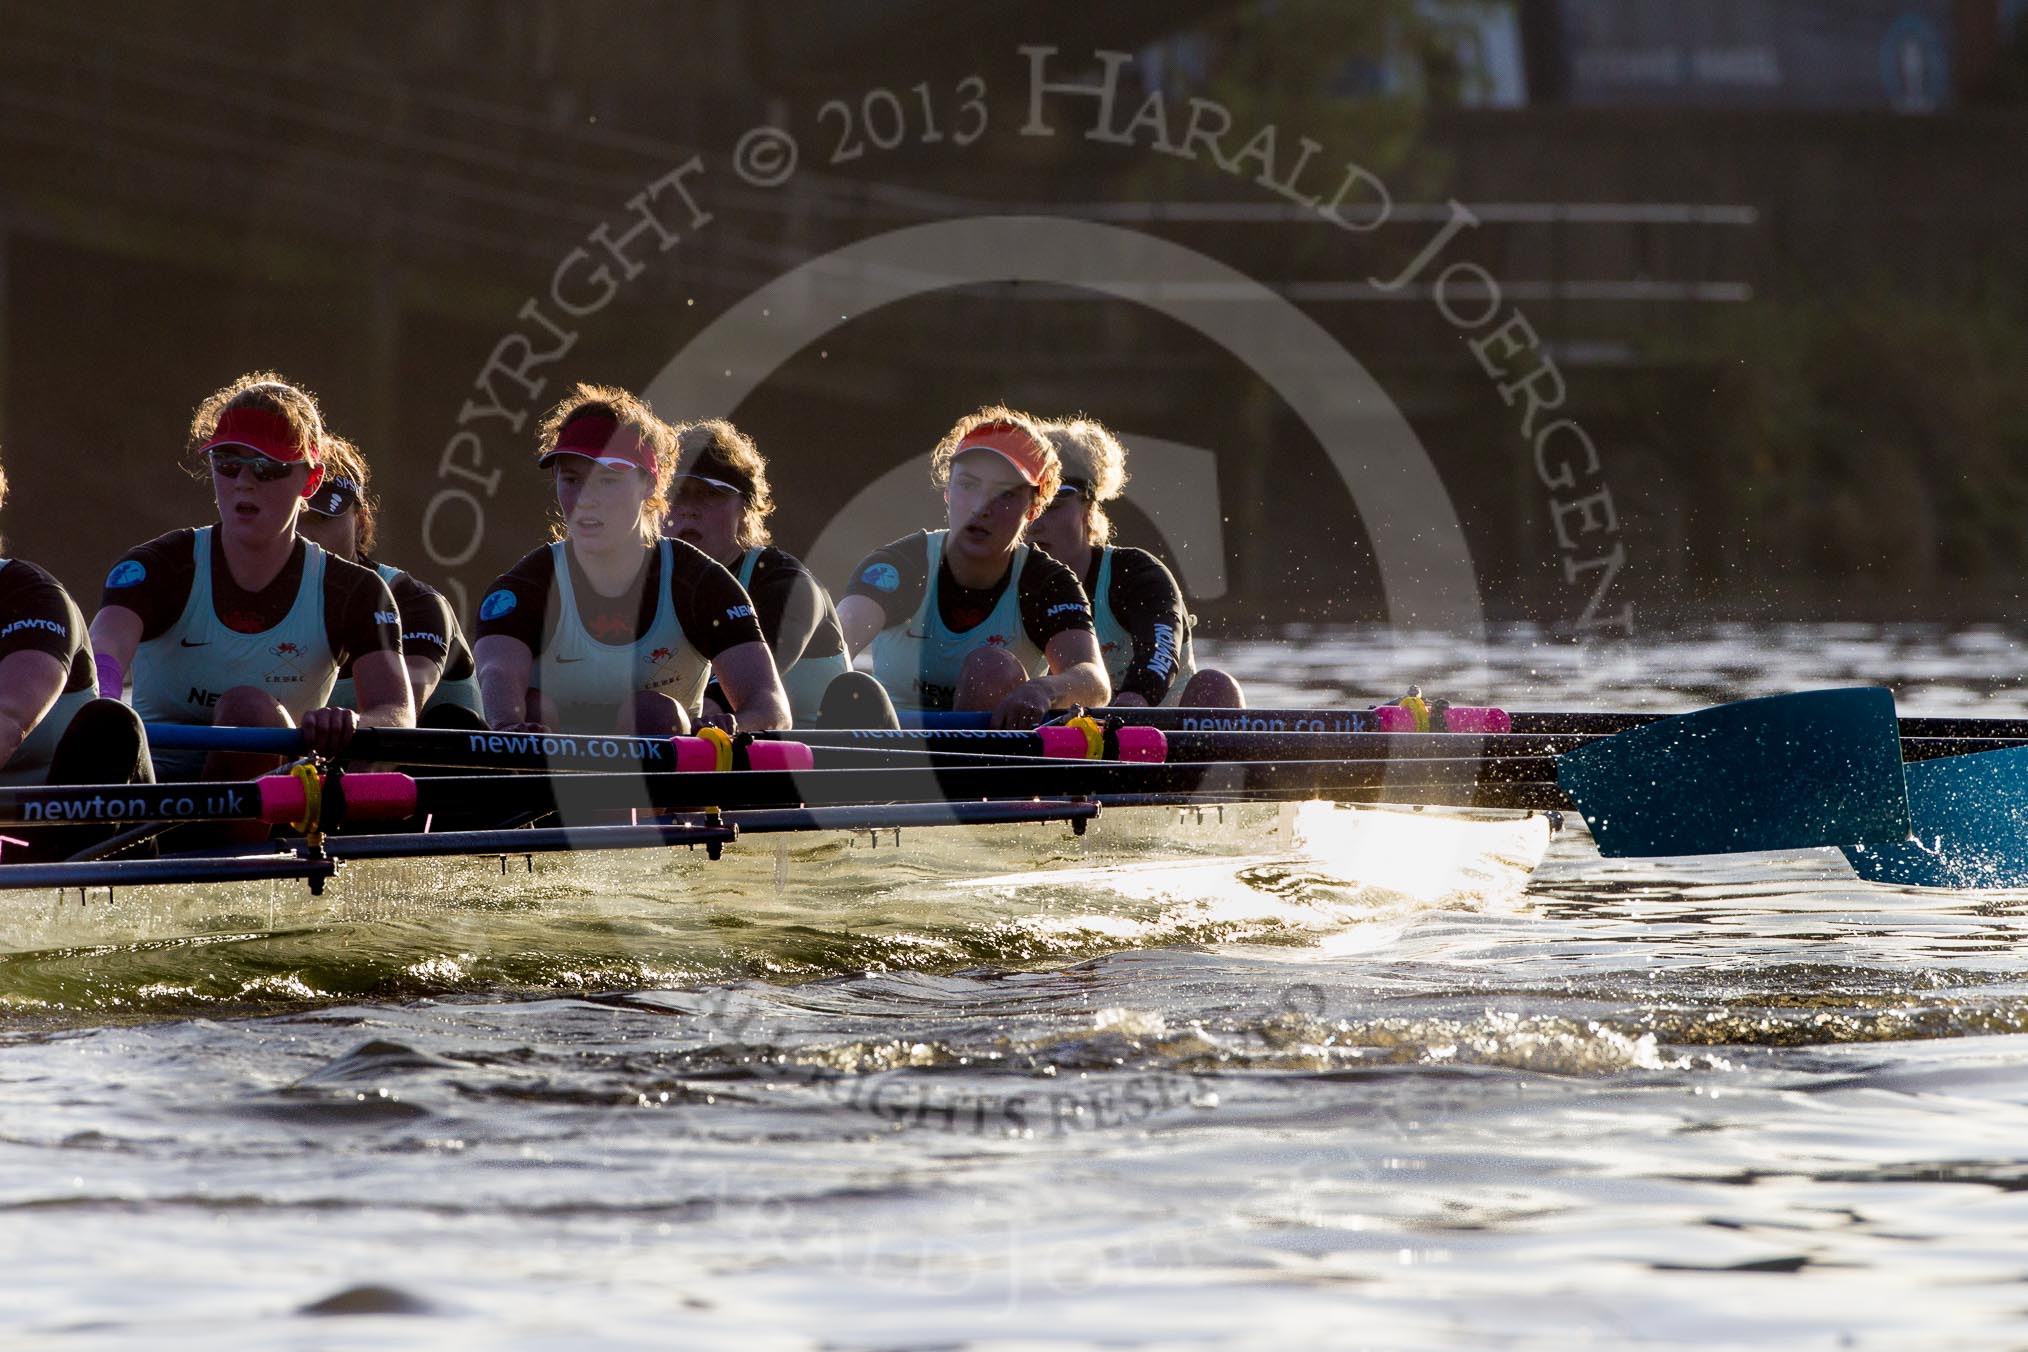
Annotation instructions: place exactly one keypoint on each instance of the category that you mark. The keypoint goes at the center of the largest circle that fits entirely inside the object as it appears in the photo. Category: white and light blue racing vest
(30, 762)
(809, 677)
(462, 693)
(180, 673)
(588, 680)
(918, 661)
(1116, 641)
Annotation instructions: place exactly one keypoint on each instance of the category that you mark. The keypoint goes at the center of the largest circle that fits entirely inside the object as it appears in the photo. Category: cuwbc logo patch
(664, 665)
(288, 669)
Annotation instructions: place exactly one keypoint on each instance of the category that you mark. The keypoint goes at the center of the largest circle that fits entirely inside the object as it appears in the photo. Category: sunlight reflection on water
(1721, 1101)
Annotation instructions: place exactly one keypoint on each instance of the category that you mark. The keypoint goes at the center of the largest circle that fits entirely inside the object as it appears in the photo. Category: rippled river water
(880, 1100)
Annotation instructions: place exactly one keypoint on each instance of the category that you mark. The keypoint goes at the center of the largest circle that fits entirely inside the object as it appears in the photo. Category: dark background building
(1770, 248)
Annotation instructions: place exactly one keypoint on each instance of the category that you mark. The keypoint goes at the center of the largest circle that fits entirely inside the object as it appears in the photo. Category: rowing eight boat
(1815, 769)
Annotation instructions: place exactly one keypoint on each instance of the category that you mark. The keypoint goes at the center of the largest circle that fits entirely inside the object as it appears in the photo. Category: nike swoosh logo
(566, 659)
(188, 644)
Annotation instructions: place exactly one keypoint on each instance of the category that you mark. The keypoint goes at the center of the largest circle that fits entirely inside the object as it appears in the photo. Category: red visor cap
(1027, 455)
(599, 436)
(258, 430)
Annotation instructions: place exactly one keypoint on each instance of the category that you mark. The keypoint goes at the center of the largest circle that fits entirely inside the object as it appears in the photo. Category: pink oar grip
(381, 796)
(1063, 743)
(1143, 744)
(694, 754)
(779, 756)
(384, 795)
(281, 799)
(1393, 718)
(1470, 718)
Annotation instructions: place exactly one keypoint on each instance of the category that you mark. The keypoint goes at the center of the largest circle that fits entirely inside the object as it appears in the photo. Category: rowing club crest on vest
(290, 657)
(664, 665)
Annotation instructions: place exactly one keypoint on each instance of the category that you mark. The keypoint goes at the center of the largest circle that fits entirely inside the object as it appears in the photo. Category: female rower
(613, 626)
(242, 623)
(1138, 610)
(53, 729)
(343, 517)
(720, 503)
(970, 617)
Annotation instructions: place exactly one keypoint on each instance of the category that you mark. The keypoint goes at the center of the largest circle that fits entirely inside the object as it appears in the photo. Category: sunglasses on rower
(264, 470)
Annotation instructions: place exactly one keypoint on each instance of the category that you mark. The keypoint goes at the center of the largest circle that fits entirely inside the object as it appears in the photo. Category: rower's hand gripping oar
(1784, 772)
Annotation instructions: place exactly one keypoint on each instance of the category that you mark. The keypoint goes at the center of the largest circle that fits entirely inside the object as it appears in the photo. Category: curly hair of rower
(1092, 455)
(996, 418)
(270, 392)
(630, 413)
(719, 438)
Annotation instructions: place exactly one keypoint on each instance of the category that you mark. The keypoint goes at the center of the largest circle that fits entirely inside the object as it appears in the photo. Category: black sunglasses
(264, 470)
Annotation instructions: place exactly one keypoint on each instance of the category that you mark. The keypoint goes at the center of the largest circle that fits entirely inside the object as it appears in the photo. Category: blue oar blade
(1970, 816)
(1782, 773)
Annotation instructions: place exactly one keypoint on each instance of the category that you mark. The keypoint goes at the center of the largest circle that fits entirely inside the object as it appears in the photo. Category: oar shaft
(434, 746)
(1560, 723)
(580, 752)
(1189, 747)
(1181, 747)
(2002, 730)
(277, 799)
(1056, 743)
(1180, 719)
(461, 749)
(590, 793)
(239, 800)
(1937, 748)
(956, 747)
